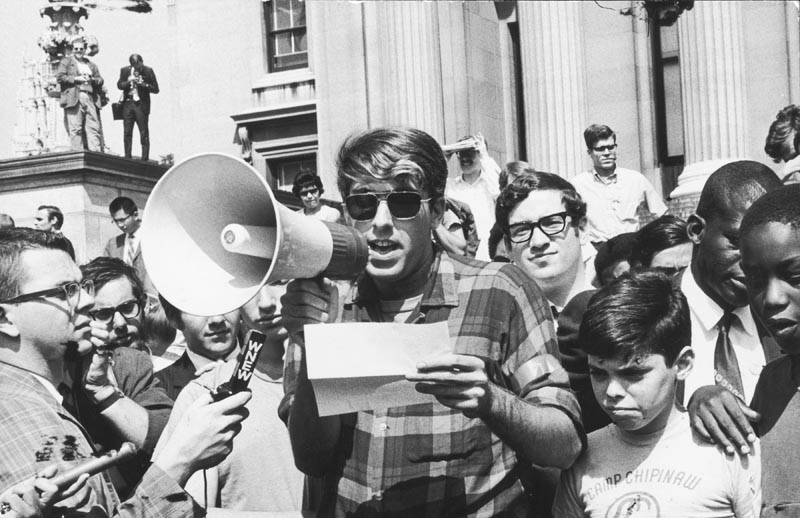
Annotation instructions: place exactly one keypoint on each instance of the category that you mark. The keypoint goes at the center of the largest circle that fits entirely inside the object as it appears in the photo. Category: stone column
(403, 65)
(712, 82)
(554, 85)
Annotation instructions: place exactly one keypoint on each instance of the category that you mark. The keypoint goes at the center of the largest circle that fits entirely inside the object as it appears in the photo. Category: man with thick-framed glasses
(44, 305)
(543, 220)
(502, 397)
(615, 196)
(125, 372)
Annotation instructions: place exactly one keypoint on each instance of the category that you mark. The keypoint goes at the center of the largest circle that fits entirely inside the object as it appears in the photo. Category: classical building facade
(283, 82)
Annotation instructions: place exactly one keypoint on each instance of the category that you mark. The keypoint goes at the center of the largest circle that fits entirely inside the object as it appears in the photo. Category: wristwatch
(104, 403)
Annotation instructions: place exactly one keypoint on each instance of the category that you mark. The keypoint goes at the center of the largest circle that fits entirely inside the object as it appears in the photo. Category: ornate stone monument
(40, 126)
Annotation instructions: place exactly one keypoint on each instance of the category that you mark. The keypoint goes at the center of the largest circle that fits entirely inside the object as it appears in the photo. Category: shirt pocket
(448, 435)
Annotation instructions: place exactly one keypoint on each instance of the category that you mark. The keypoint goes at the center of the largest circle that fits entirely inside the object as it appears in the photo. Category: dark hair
(6, 221)
(660, 234)
(306, 179)
(640, 313)
(135, 58)
(785, 125)
(174, 315)
(597, 132)
(518, 190)
(512, 170)
(14, 241)
(53, 212)
(383, 154)
(735, 184)
(122, 203)
(778, 206)
(618, 248)
(102, 270)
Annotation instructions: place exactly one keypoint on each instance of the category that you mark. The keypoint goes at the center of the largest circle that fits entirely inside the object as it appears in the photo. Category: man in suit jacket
(81, 86)
(137, 82)
(208, 339)
(125, 246)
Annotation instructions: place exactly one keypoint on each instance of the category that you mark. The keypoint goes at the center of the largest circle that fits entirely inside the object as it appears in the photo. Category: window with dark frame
(668, 104)
(287, 44)
(285, 169)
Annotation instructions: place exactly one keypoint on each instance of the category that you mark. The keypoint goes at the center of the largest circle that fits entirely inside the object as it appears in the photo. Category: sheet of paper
(362, 366)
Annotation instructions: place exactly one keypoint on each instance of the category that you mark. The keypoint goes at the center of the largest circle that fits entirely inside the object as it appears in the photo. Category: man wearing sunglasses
(615, 196)
(503, 400)
(44, 305)
(125, 373)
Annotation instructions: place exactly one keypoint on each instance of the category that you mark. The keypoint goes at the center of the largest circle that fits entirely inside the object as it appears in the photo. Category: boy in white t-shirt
(648, 462)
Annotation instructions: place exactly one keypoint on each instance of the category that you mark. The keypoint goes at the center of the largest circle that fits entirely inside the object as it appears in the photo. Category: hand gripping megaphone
(213, 234)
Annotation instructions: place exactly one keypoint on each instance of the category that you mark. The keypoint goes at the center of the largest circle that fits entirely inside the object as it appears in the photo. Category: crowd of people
(605, 358)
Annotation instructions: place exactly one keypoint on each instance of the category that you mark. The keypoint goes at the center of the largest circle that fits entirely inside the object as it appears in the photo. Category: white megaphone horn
(213, 234)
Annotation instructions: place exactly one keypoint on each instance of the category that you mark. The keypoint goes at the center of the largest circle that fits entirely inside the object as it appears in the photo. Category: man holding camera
(477, 186)
(137, 82)
(81, 86)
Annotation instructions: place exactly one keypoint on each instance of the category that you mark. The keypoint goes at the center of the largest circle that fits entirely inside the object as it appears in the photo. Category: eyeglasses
(128, 309)
(549, 225)
(312, 192)
(402, 204)
(467, 153)
(70, 292)
(120, 221)
(602, 149)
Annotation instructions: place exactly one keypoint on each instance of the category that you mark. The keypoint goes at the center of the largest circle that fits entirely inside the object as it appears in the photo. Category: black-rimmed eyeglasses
(402, 204)
(128, 309)
(549, 225)
(70, 292)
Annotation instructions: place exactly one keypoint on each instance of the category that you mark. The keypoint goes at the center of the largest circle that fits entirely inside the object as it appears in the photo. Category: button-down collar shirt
(612, 204)
(705, 315)
(428, 460)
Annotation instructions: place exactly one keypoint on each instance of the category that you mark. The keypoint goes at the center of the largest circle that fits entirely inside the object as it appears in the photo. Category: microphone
(245, 365)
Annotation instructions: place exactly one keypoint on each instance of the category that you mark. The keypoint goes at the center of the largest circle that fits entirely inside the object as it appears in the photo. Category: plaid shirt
(36, 431)
(429, 460)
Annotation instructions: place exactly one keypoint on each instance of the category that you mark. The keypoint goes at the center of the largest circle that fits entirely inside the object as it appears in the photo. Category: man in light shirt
(477, 186)
(125, 246)
(614, 195)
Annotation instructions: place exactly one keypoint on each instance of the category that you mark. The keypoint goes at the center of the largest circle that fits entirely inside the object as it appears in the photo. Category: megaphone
(213, 234)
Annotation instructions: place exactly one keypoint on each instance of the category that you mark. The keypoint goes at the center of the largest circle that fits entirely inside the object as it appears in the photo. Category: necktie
(131, 249)
(726, 366)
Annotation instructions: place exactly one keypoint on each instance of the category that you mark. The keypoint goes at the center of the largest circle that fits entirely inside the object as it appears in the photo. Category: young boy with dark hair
(648, 462)
(770, 244)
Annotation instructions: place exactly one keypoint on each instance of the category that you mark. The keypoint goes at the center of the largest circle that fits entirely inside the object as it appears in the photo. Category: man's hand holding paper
(458, 381)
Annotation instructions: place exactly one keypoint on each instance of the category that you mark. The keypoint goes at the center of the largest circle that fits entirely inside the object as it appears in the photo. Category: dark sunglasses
(602, 149)
(402, 204)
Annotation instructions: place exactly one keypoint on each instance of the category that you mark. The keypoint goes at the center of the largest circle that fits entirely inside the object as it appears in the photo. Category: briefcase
(116, 111)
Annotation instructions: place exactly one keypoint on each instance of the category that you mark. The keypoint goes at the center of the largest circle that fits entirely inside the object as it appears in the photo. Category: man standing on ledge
(613, 195)
(137, 82)
(81, 84)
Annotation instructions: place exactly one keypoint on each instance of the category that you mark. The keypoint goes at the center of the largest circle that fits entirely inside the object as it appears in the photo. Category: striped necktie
(131, 250)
